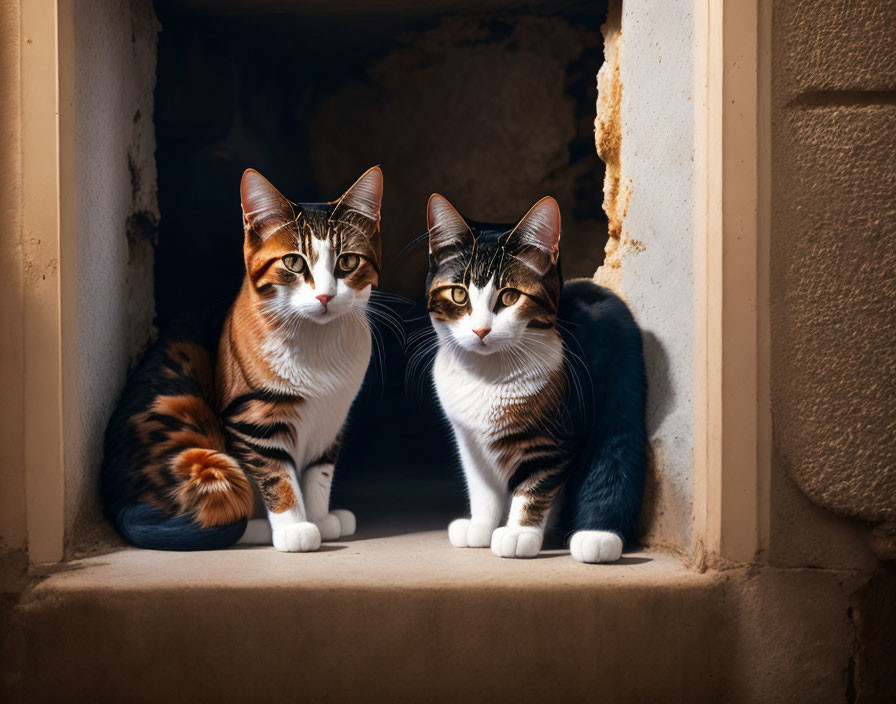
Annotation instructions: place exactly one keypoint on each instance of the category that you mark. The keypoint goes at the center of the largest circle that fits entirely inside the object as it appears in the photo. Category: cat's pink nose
(324, 298)
(482, 332)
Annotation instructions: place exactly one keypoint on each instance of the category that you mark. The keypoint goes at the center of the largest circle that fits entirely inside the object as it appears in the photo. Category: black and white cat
(543, 383)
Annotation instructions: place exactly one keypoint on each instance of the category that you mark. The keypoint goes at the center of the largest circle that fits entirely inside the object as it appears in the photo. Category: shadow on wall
(661, 393)
(660, 401)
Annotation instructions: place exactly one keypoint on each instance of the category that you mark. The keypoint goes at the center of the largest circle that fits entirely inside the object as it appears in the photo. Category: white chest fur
(325, 365)
(476, 391)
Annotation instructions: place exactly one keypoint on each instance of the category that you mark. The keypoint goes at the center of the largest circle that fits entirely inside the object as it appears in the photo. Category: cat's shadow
(326, 547)
(660, 392)
(329, 547)
(622, 561)
(554, 548)
(632, 561)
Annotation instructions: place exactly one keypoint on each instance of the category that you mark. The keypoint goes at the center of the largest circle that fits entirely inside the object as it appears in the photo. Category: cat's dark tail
(166, 480)
(147, 526)
(208, 496)
(608, 400)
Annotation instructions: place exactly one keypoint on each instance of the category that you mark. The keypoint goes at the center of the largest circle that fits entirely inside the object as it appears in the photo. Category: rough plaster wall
(117, 217)
(12, 477)
(645, 127)
(833, 280)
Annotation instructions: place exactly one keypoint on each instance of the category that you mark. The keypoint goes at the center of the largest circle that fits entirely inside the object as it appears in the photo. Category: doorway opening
(490, 104)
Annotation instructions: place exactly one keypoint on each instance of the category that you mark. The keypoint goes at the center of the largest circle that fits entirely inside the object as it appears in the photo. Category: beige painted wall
(833, 282)
(115, 56)
(105, 255)
(13, 532)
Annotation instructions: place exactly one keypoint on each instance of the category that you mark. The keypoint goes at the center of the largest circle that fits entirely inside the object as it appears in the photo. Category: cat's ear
(536, 239)
(265, 209)
(365, 197)
(448, 231)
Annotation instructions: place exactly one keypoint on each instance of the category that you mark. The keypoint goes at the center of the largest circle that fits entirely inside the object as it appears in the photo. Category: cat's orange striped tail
(213, 488)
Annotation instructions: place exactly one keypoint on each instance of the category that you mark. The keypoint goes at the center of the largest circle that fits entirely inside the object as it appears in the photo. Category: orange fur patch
(193, 362)
(214, 488)
(286, 498)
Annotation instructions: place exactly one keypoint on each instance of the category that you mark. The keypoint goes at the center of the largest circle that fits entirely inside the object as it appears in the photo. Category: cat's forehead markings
(321, 247)
(482, 262)
(499, 269)
(306, 232)
(469, 265)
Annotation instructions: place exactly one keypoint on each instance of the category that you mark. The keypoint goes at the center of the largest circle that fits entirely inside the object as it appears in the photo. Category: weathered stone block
(821, 45)
(833, 312)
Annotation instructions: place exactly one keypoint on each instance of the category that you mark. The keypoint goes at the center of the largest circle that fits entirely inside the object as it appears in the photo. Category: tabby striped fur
(504, 377)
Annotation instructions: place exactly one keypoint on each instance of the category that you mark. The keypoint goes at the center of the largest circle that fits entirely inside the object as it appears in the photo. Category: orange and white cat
(181, 449)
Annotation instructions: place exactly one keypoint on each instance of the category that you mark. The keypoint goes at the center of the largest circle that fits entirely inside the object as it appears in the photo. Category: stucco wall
(12, 457)
(645, 131)
(117, 217)
(833, 282)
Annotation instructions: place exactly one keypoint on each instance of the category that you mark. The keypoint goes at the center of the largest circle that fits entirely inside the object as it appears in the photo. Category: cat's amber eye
(508, 297)
(459, 295)
(293, 262)
(348, 262)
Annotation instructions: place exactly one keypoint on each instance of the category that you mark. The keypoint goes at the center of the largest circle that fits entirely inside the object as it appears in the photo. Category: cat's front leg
(291, 531)
(487, 500)
(316, 482)
(290, 527)
(529, 508)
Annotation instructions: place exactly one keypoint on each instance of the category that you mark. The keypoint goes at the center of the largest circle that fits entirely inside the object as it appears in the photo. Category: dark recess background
(493, 107)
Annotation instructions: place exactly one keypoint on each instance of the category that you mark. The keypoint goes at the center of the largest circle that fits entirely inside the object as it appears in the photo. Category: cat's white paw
(337, 524)
(329, 527)
(465, 533)
(514, 541)
(595, 546)
(297, 537)
(347, 522)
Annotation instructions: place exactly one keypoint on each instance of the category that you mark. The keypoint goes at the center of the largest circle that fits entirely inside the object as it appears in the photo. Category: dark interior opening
(491, 104)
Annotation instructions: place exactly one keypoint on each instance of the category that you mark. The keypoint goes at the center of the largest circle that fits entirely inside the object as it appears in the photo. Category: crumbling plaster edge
(608, 142)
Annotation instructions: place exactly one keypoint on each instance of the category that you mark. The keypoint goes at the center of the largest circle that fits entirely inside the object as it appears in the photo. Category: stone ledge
(410, 560)
(407, 618)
